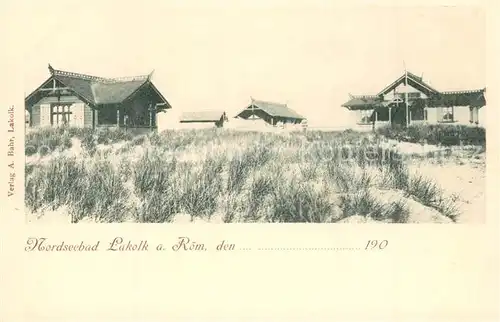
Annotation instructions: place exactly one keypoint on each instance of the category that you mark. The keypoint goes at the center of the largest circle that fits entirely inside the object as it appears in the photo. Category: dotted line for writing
(306, 249)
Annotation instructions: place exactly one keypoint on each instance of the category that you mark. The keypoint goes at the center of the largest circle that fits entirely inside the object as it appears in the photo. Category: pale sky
(216, 56)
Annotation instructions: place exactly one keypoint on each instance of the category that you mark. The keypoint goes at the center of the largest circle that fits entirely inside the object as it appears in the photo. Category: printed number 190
(380, 244)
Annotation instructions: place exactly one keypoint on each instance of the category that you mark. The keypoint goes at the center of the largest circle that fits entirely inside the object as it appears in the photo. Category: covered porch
(124, 116)
(374, 111)
(446, 107)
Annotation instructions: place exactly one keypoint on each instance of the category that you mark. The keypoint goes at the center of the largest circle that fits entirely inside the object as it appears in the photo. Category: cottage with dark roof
(410, 100)
(80, 100)
(271, 112)
(217, 118)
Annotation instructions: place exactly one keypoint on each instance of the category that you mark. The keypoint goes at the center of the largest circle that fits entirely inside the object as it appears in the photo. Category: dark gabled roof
(361, 102)
(80, 86)
(435, 97)
(274, 109)
(467, 92)
(99, 90)
(110, 93)
(474, 98)
(202, 116)
(413, 80)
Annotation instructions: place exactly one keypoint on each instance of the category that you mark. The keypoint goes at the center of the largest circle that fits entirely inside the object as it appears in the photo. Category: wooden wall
(137, 108)
(87, 116)
(461, 115)
(432, 115)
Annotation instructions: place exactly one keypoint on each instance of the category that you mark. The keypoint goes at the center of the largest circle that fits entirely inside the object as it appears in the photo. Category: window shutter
(475, 114)
(56, 120)
(77, 113)
(45, 115)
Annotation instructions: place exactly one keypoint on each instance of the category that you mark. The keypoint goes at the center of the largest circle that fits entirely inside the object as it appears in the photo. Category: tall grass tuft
(261, 188)
(202, 189)
(429, 194)
(64, 181)
(104, 197)
(295, 202)
(152, 173)
(361, 203)
(54, 184)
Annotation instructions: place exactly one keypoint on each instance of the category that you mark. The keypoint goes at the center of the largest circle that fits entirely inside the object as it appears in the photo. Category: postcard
(174, 160)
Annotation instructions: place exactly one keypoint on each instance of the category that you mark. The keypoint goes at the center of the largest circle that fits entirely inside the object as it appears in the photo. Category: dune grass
(437, 134)
(313, 177)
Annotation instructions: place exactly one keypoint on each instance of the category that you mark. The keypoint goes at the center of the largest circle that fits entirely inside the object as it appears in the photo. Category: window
(418, 114)
(60, 114)
(447, 115)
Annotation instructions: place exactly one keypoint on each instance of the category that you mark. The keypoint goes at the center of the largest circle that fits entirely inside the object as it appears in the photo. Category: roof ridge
(128, 79)
(413, 74)
(413, 77)
(57, 72)
(463, 91)
(364, 96)
(270, 102)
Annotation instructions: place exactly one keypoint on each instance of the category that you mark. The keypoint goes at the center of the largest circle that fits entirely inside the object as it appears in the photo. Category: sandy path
(461, 175)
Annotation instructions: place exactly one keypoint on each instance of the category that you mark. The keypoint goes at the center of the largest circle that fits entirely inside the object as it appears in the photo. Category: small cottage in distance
(214, 118)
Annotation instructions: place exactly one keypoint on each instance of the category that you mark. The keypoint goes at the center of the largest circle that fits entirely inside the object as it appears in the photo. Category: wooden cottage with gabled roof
(409, 100)
(80, 100)
(271, 112)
